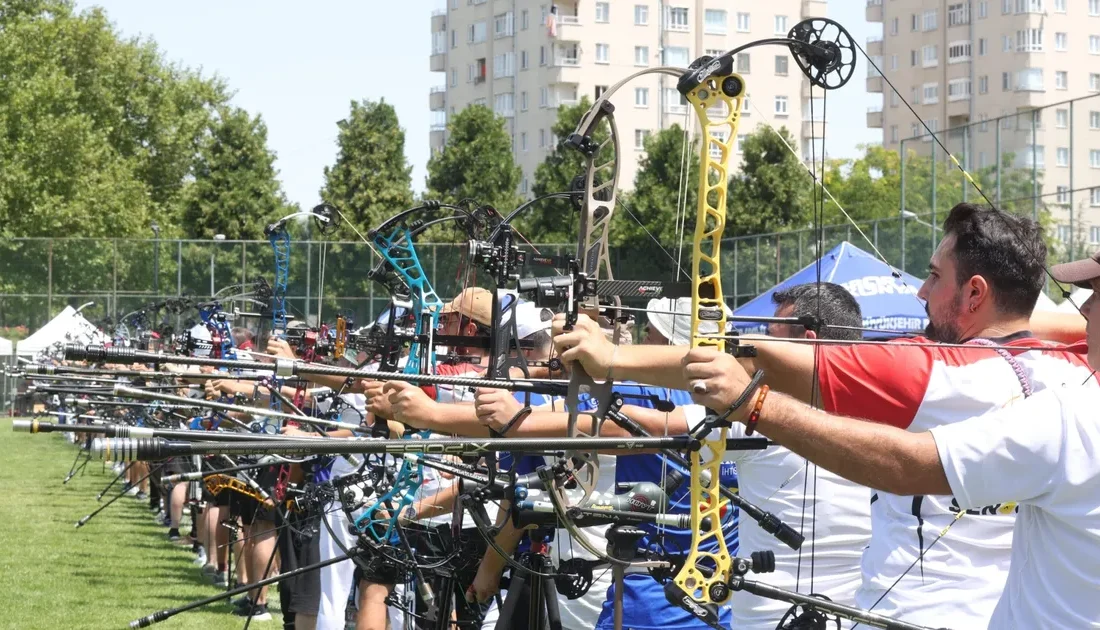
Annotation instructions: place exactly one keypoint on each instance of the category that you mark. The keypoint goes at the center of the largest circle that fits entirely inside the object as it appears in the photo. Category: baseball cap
(531, 319)
(475, 303)
(677, 328)
(1078, 272)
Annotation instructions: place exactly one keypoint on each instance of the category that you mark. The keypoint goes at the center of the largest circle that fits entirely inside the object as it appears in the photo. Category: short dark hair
(831, 302)
(1005, 249)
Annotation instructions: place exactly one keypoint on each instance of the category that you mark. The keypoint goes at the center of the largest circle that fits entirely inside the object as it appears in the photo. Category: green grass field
(117, 568)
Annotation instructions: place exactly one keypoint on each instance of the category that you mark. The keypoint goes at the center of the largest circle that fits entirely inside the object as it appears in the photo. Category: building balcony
(874, 10)
(437, 138)
(437, 99)
(814, 8)
(565, 70)
(439, 20)
(874, 117)
(874, 84)
(439, 62)
(567, 28)
(814, 129)
(874, 45)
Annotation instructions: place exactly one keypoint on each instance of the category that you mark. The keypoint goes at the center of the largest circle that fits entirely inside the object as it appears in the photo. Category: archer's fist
(280, 348)
(495, 407)
(585, 344)
(715, 379)
(378, 401)
(410, 405)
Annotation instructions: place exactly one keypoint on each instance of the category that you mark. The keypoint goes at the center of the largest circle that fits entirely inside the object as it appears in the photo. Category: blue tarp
(887, 303)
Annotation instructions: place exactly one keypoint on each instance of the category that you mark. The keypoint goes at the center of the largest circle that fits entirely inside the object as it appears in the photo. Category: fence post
(309, 272)
(901, 210)
(934, 187)
(49, 281)
(114, 279)
(1034, 166)
(966, 189)
(756, 270)
(179, 277)
(997, 196)
(1071, 160)
(735, 273)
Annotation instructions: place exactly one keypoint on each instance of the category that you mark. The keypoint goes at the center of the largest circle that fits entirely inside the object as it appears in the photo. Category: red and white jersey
(456, 393)
(959, 580)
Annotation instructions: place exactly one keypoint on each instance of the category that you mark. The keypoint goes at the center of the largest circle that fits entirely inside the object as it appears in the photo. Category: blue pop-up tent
(887, 303)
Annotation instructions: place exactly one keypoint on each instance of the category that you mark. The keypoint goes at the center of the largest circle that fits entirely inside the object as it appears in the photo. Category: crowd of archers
(521, 457)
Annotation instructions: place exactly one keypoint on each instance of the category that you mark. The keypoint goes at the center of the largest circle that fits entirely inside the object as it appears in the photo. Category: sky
(300, 65)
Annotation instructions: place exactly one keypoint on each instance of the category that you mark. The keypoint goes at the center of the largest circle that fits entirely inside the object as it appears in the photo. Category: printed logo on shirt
(1002, 509)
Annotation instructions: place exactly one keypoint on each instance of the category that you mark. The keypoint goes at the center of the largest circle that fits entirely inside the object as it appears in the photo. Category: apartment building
(968, 62)
(525, 58)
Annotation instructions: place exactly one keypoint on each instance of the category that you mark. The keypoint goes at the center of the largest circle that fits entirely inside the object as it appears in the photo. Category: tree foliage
(476, 163)
(371, 179)
(771, 190)
(234, 192)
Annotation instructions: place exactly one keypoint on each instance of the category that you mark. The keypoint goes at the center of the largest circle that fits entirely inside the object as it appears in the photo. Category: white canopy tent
(69, 326)
(1045, 304)
(5, 347)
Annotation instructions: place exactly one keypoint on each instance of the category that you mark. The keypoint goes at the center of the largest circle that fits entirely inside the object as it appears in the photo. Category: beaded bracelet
(755, 415)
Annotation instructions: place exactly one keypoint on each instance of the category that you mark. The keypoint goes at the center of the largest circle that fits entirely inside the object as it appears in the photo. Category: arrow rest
(802, 617)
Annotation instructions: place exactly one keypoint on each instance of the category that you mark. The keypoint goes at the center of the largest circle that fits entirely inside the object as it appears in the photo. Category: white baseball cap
(677, 328)
(531, 319)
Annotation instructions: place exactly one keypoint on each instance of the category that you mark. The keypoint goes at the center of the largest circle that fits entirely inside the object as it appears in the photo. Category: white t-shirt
(938, 386)
(1041, 453)
(833, 514)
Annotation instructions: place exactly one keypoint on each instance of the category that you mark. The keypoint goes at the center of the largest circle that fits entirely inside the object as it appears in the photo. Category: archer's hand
(210, 387)
(495, 408)
(410, 404)
(585, 344)
(295, 432)
(378, 401)
(486, 583)
(719, 373)
(280, 348)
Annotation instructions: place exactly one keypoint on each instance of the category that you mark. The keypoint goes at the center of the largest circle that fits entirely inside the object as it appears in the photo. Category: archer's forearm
(653, 365)
(788, 366)
(874, 455)
(456, 418)
(1058, 327)
(439, 503)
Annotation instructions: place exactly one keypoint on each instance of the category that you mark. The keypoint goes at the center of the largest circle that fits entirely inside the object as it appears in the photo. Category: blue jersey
(644, 603)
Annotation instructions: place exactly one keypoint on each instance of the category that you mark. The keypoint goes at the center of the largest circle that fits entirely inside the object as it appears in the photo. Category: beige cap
(475, 303)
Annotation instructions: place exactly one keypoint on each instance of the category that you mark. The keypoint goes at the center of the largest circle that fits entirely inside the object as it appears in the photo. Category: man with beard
(984, 279)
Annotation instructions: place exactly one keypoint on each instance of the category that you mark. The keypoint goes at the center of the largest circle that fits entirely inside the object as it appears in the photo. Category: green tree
(771, 191)
(235, 192)
(476, 163)
(99, 132)
(371, 179)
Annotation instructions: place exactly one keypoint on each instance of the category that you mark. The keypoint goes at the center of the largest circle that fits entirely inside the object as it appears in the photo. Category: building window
(640, 136)
(1094, 193)
(504, 25)
(1061, 118)
(781, 63)
(1064, 233)
(1062, 156)
(914, 95)
(1061, 42)
(913, 58)
(1031, 153)
(454, 38)
(477, 32)
(1061, 80)
(1029, 6)
(641, 15)
(1006, 7)
(958, 52)
(1029, 80)
(523, 141)
(982, 47)
(983, 10)
(1059, 6)
(714, 21)
(781, 106)
(1062, 194)
(1094, 234)
(677, 56)
(893, 134)
(1094, 7)
(894, 26)
(1094, 120)
(931, 93)
(523, 101)
(914, 22)
(744, 22)
(958, 89)
(603, 12)
(504, 65)
(741, 139)
(1029, 40)
(641, 97)
(930, 54)
(744, 63)
(719, 135)
(894, 99)
(544, 97)
(603, 53)
(641, 55)
(1094, 158)
(600, 89)
(983, 84)
(893, 63)
(454, 77)
(1094, 44)
(542, 55)
(1094, 82)
(676, 19)
(1006, 43)
(1006, 81)
(781, 25)
(542, 138)
(930, 20)
(524, 20)
(958, 14)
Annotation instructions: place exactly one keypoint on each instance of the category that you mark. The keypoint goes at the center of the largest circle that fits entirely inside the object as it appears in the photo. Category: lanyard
(1025, 383)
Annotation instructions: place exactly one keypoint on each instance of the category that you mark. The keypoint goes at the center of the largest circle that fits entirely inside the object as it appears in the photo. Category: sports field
(117, 568)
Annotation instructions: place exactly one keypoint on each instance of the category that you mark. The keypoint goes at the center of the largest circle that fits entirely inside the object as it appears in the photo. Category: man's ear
(977, 290)
(470, 330)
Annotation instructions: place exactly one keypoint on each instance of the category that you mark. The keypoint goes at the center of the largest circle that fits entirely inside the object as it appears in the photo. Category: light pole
(156, 258)
(217, 237)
